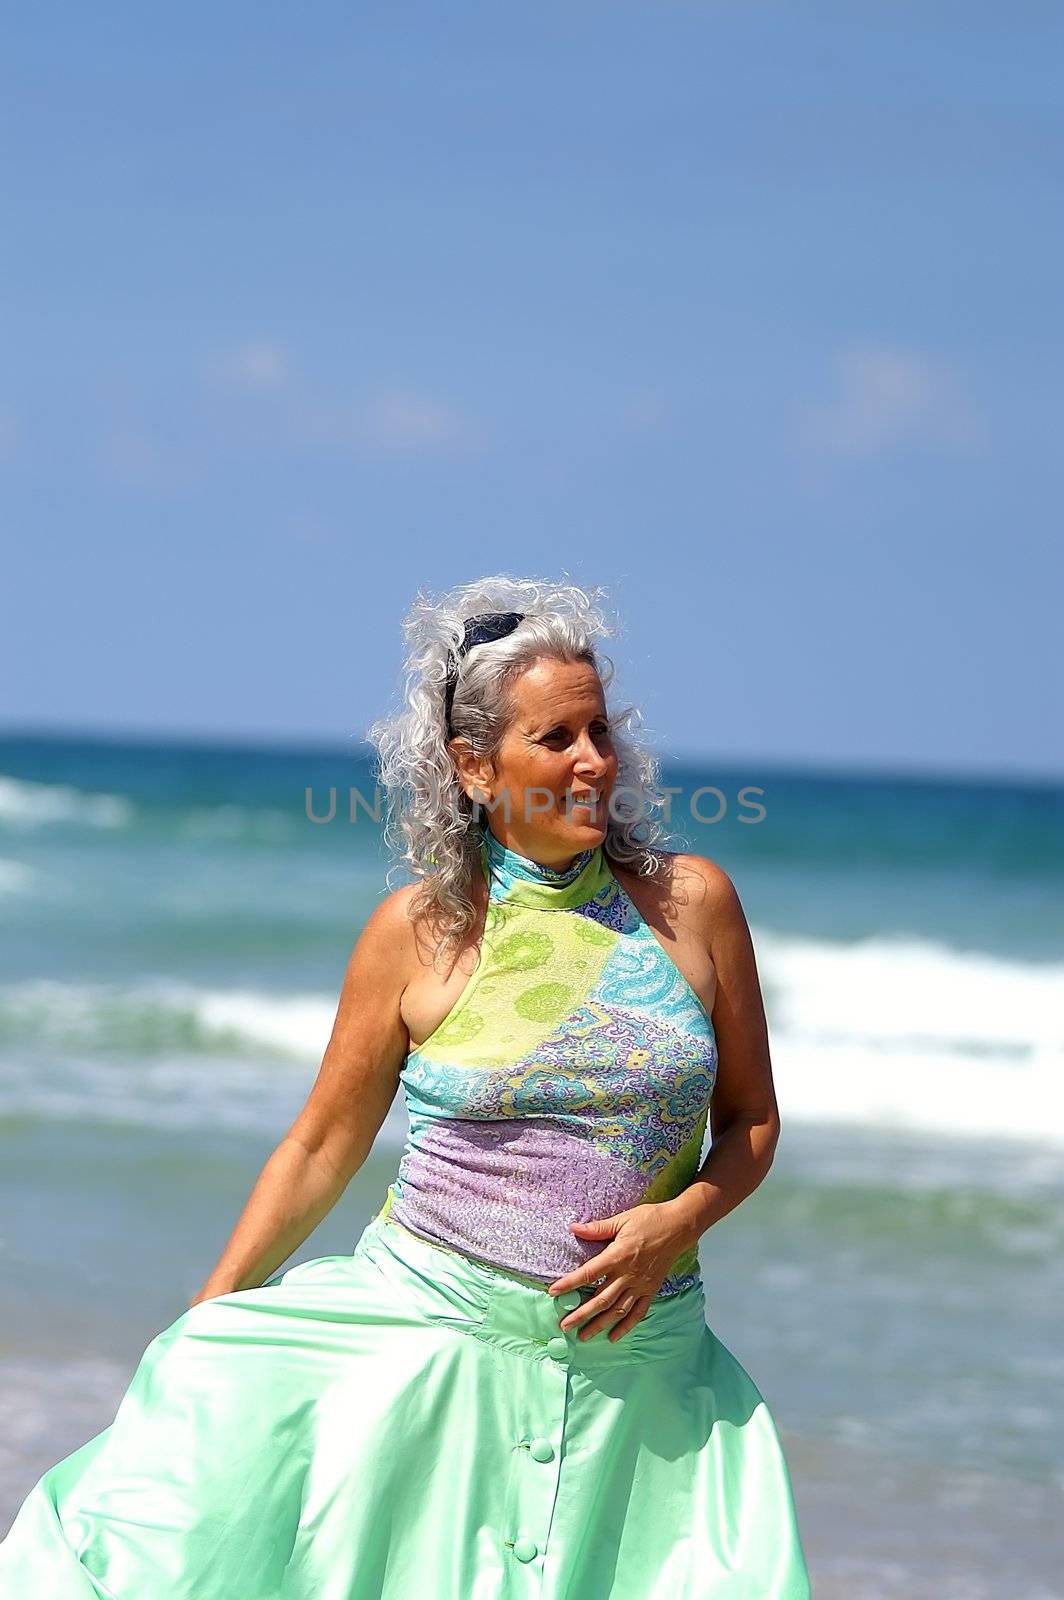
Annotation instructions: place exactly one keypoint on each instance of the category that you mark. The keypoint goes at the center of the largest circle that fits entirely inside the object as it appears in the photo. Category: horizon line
(779, 765)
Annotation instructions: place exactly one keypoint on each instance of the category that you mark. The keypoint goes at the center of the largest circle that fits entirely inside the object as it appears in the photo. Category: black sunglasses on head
(482, 629)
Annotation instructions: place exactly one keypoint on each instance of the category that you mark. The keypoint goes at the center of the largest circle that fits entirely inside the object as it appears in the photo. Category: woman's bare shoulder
(702, 871)
(681, 873)
(388, 933)
(688, 890)
(407, 921)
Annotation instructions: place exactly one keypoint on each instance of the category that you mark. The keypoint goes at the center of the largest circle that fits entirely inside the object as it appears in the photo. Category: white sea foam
(893, 1036)
(15, 877)
(176, 1093)
(160, 1015)
(912, 992)
(913, 1035)
(25, 805)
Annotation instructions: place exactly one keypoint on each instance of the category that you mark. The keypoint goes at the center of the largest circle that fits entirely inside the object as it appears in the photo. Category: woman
(509, 1387)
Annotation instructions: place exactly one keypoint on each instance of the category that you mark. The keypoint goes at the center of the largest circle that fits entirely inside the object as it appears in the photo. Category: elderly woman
(509, 1387)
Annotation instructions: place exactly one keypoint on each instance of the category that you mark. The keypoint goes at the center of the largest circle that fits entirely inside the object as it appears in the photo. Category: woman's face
(551, 782)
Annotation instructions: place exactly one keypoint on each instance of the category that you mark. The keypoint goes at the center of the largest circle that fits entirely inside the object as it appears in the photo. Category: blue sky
(750, 312)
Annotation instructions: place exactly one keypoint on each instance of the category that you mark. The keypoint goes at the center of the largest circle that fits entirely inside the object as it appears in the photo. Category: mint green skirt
(407, 1423)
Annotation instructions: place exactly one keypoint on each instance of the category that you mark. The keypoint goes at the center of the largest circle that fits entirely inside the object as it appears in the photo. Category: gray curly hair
(430, 820)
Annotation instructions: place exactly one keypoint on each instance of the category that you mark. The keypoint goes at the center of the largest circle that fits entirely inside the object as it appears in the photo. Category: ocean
(175, 921)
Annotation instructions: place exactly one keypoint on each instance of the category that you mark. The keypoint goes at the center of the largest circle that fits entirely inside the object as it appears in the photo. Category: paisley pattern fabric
(571, 1079)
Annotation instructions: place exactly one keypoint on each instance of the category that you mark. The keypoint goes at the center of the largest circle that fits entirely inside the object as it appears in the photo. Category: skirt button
(541, 1450)
(525, 1549)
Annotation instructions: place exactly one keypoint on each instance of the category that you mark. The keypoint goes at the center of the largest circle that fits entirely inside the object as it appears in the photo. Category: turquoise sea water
(173, 932)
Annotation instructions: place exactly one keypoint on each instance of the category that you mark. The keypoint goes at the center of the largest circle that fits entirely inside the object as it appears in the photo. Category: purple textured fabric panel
(507, 1193)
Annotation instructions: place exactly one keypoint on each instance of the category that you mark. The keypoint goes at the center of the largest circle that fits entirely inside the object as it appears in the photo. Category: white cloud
(259, 364)
(404, 422)
(390, 420)
(885, 398)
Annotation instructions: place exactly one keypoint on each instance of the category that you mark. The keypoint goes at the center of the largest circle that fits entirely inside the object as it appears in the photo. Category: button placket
(534, 1488)
(526, 1324)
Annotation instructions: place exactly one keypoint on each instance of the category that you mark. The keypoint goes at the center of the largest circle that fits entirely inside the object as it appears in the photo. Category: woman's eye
(600, 731)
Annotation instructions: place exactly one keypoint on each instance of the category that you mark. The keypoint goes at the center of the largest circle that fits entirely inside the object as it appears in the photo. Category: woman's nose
(589, 755)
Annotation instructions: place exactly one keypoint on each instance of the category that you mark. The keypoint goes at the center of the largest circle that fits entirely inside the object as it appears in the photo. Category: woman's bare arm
(334, 1132)
(744, 1116)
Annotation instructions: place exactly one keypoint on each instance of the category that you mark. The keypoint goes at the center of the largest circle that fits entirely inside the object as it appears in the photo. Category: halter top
(571, 1079)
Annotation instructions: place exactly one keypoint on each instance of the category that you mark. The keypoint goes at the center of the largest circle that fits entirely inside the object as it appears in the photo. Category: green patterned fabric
(571, 1079)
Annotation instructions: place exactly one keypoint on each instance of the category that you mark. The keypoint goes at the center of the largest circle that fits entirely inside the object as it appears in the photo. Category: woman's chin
(586, 820)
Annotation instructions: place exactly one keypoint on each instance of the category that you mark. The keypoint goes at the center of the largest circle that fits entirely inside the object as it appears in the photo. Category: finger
(602, 1311)
(636, 1314)
(600, 1302)
(580, 1279)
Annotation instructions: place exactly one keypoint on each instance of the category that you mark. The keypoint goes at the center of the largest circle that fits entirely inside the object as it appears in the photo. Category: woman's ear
(474, 772)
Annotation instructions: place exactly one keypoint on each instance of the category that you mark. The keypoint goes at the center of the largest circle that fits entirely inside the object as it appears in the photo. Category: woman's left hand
(643, 1244)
